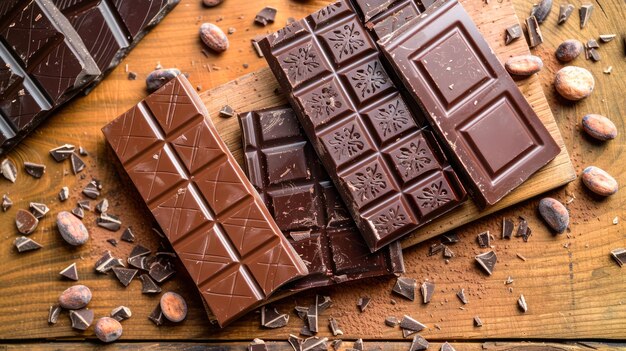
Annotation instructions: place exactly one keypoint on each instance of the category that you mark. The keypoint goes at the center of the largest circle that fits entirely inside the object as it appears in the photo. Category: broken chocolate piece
(227, 111)
(138, 262)
(124, 275)
(120, 313)
(487, 261)
(523, 230)
(148, 286)
(462, 297)
(139, 250)
(484, 239)
(102, 206)
(53, 314)
(106, 262)
(295, 342)
(521, 303)
(265, 16)
(91, 191)
(128, 235)
(323, 303)
(81, 319)
(38, 209)
(25, 222)
(314, 343)
(450, 238)
(255, 45)
(78, 212)
(34, 169)
(411, 324)
(271, 318)
(6, 203)
(160, 272)
(534, 33)
(363, 303)
(8, 170)
(301, 311)
(427, 289)
(109, 221)
(477, 322)
(565, 10)
(507, 228)
(64, 194)
(392, 321)
(447, 252)
(62, 152)
(358, 344)
(336, 344)
(585, 12)
(592, 43)
(541, 10)
(447, 347)
(112, 241)
(605, 38)
(405, 287)
(77, 164)
(312, 317)
(24, 244)
(418, 343)
(435, 249)
(257, 345)
(619, 255)
(70, 272)
(156, 316)
(594, 55)
(334, 326)
(305, 330)
(84, 204)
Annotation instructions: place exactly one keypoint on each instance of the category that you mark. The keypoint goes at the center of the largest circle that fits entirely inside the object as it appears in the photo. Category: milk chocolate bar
(285, 170)
(390, 172)
(490, 131)
(206, 207)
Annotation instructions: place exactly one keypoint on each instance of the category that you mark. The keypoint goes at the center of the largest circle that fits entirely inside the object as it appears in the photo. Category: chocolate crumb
(64, 194)
(132, 75)
(484, 239)
(112, 241)
(62, 152)
(520, 256)
(227, 111)
(265, 16)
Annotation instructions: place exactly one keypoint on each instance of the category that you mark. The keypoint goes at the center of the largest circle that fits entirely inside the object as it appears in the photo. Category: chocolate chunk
(312, 317)
(585, 12)
(358, 344)
(427, 289)
(565, 10)
(363, 303)
(121, 313)
(78, 212)
(462, 297)
(77, 164)
(255, 45)
(106, 262)
(521, 303)
(323, 303)
(446, 347)
(271, 318)
(70, 272)
(594, 55)
(82, 151)
(305, 330)
(542, 10)
(34, 169)
(139, 250)
(523, 230)
(64, 194)
(6, 203)
(484, 239)
(405, 287)
(227, 111)
(507, 228)
(418, 343)
(161, 272)
(156, 316)
(392, 321)
(336, 344)
(447, 252)
(410, 326)
(605, 38)
(124, 275)
(85, 204)
(138, 262)
(102, 206)
(508, 280)
(128, 235)
(38, 209)
(450, 238)
(26, 222)
(315, 343)
(112, 241)
(257, 345)
(592, 43)
(53, 314)
(334, 327)
(81, 319)
(8, 170)
(534, 33)
(619, 255)
(109, 221)
(24, 244)
(436, 248)
(477, 322)
(148, 286)
(265, 16)
(91, 190)
(62, 152)
(295, 342)
(301, 311)
(487, 261)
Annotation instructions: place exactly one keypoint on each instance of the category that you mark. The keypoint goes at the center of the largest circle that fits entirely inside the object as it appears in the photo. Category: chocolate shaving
(62, 152)
(585, 12)
(24, 244)
(427, 289)
(156, 316)
(534, 33)
(462, 297)
(271, 318)
(521, 303)
(128, 235)
(487, 261)
(109, 221)
(148, 286)
(70, 272)
(477, 322)
(334, 326)
(34, 169)
(81, 319)
(38, 209)
(8, 170)
(507, 228)
(53, 314)
(450, 238)
(418, 343)
(77, 164)
(120, 313)
(405, 287)
(363, 303)
(64, 194)
(484, 239)
(6, 203)
(565, 10)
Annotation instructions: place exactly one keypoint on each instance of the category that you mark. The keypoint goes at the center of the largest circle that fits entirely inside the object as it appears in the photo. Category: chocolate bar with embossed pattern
(390, 172)
(205, 205)
(494, 138)
(382, 17)
(284, 168)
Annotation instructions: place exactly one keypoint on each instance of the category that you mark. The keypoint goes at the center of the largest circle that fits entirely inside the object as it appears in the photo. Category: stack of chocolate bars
(397, 112)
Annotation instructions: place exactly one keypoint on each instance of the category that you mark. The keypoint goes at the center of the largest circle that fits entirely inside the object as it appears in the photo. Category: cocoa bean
(213, 37)
(599, 181)
(554, 213)
(574, 83)
(599, 127)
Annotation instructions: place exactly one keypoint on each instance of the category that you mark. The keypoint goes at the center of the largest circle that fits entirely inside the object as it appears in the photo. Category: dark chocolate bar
(205, 205)
(491, 133)
(390, 173)
(51, 50)
(382, 17)
(286, 172)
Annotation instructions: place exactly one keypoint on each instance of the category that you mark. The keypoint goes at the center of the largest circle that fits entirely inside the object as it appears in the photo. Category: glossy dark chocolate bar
(390, 172)
(490, 131)
(285, 170)
(205, 205)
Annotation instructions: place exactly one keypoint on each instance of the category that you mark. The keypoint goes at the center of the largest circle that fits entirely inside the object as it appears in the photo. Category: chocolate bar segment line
(391, 174)
(490, 131)
(285, 170)
(208, 210)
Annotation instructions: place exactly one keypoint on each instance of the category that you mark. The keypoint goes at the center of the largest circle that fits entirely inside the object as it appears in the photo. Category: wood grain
(573, 288)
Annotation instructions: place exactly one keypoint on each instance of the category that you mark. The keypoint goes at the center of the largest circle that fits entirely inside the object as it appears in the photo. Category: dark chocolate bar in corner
(389, 171)
(285, 170)
(492, 134)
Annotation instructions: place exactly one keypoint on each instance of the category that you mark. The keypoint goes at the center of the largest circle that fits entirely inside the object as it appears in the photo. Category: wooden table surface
(574, 290)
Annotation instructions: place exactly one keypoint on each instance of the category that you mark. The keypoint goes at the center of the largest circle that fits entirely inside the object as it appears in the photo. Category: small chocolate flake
(435, 249)
(271, 318)
(619, 255)
(265, 16)
(487, 261)
(605, 38)
(534, 33)
(81, 319)
(520, 256)
(484, 239)
(336, 344)
(427, 289)
(160, 272)
(295, 342)
(34, 169)
(522, 227)
(301, 311)
(521, 302)
(132, 75)
(507, 228)
(64, 194)
(447, 252)
(91, 190)
(82, 151)
(157, 315)
(109, 221)
(138, 262)
(62, 152)
(592, 43)
(227, 111)
(312, 316)
(418, 343)
(363, 302)
(358, 344)
(462, 297)
(78, 212)
(450, 238)
(315, 343)
(8, 170)
(334, 327)
(477, 322)
(128, 235)
(512, 33)
(542, 10)
(25, 222)
(585, 12)
(38, 210)
(121, 313)
(405, 287)
(411, 324)
(447, 347)
(323, 303)
(77, 164)
(255, 45)
(257, 345)
(112, 241)
(565, 10)
(6, 203)
(84, 204)
(392, 321)
(139, 250)
(106, 262)
(594, 55)
(508, 280)
(102, 206)
(70, 272)
(53, 314)
(148, 286)
(305, 330)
